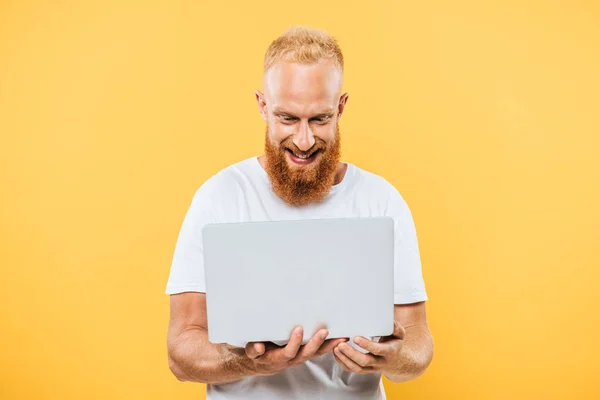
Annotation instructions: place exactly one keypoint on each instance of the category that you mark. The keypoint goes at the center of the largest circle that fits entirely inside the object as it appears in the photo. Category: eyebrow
(324, 113)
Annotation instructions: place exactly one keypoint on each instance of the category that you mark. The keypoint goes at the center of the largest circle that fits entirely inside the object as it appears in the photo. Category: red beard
(307, 184)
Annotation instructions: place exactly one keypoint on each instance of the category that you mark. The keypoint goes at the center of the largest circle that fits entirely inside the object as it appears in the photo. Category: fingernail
(324, 334)
(357, 340)
(299, 332)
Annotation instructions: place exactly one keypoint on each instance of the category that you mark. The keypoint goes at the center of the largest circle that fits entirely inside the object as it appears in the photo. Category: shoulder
(226, 180)
(376, 185)
(380, 194)
(224, 186)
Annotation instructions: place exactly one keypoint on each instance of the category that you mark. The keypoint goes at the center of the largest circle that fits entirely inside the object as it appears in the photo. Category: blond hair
(304, 45)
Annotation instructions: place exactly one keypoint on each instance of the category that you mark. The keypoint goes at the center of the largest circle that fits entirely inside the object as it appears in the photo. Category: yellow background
(484, 115)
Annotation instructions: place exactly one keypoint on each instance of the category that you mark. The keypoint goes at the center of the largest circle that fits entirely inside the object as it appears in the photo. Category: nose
(304, 138)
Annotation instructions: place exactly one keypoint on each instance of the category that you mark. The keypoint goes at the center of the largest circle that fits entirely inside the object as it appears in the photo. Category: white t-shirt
(242, 193)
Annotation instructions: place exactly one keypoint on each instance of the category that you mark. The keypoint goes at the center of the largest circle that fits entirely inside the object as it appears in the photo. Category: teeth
(304, 157)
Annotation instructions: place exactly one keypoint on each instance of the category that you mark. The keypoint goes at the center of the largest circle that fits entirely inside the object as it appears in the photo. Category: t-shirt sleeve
(409, 286)
(187, 267)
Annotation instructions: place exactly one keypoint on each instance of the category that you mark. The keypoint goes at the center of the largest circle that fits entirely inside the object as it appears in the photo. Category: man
(300, 176)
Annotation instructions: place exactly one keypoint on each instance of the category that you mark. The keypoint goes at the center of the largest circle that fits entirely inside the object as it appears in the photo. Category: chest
(260, 205)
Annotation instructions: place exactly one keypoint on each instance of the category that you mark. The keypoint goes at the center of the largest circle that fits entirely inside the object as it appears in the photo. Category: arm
(416, 352)
(402, 356)
(193, 358)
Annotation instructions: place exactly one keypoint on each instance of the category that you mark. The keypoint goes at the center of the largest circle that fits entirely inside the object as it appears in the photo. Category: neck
(340, 172)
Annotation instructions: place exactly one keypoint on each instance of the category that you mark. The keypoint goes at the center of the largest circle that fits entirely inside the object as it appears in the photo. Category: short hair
(304, 45)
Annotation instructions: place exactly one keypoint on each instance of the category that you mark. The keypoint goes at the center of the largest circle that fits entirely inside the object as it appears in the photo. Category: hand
(381, 355)
(268, 358)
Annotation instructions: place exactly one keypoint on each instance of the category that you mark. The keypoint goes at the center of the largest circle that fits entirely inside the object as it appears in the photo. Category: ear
(341, 105)
(262, 104)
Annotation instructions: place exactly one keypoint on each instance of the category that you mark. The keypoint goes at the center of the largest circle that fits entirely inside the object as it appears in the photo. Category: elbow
(417, 368)
(177, 371)
(429, 357)
(422, 365)
(186, 373)
(177, 359)
(416, 365)
(426, 357)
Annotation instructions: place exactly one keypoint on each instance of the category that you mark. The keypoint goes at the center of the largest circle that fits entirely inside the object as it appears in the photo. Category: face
(302, 107)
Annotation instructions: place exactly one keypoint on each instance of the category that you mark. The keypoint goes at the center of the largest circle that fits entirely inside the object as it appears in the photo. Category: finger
(341, 363)
(345, 362)
(291, 349)
(348, 363)
(255, 349)
(329, 345)
(310, 349)
(399, 331)
(318, 328)
(378, 349)
(364, 360)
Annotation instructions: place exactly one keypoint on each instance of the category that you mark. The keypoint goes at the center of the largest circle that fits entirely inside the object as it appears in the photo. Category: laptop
(265, 278)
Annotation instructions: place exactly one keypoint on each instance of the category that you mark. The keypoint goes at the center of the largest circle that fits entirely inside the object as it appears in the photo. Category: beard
(302, 185)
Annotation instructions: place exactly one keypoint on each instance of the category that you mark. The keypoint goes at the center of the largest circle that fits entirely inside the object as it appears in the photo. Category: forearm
(415, 356)
(193, 358)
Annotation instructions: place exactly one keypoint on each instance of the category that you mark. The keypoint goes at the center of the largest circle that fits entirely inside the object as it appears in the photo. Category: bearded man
(300, 176)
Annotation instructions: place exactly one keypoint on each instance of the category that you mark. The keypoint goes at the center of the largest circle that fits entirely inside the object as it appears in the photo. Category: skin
(301, 103)
(193, 358)
(402, 356)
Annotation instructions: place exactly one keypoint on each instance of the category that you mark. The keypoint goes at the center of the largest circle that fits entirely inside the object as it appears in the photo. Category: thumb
(398, 330)
(255, 349)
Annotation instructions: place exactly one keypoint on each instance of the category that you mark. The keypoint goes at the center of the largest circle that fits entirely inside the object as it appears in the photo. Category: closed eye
(322, 119)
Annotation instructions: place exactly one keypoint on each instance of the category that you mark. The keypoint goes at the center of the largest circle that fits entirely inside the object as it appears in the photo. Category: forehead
(303, 88)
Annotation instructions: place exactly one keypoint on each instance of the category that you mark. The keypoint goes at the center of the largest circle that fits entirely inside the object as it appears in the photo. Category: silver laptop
(265, 278)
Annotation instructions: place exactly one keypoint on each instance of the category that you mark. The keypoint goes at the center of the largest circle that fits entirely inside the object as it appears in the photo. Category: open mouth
(302, 158)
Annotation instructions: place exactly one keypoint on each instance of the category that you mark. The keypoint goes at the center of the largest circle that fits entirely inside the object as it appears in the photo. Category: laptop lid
(265, 278)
